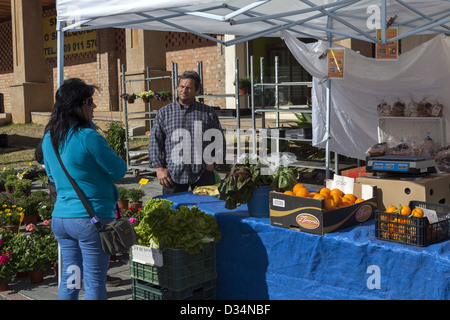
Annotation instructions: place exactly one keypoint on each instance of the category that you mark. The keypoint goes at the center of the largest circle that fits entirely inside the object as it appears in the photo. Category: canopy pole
(252, 77)
(383, 21)
(59, 82)
(60, 52)
(328, 116)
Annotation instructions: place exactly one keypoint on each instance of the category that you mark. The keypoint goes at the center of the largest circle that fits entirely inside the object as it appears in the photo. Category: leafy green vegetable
(183, 228)
(284, 179)
(238, 186)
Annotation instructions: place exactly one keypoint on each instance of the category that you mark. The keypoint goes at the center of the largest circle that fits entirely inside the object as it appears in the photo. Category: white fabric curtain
(421, 73)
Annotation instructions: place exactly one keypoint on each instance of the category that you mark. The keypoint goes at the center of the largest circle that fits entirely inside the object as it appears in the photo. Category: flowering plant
(46, 242)
(147, 94)
(129, 96)
(11, 215)
(34, 250)
(45, 209)
(7, 271)
(163, 95)
(133, 217)
(22, 185)
(30, 203)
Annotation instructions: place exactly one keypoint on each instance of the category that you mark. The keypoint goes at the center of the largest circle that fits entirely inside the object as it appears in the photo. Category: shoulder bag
(117, 236)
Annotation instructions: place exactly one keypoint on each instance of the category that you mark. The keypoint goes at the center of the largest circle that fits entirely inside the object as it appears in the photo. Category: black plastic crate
(142, 290)
(414, 231)
(180, 269)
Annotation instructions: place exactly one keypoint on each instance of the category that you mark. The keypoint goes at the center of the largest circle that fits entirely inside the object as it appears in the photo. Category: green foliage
(7, 271)
(43, 178)
(238, 186)
(129, 96)
(33, 251)
(10, 214)
(146, 94)
(183, 228)
(115, 136)
(304, 120)
(22, 185)
(134, 217)
(244, 83)
(123, 193)
(10, 181)
(30, 203)
(45, 209)
(163, 95)
(8, 172)
(135, 195)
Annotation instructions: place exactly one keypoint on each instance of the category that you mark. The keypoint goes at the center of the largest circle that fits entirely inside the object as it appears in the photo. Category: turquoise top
(93, 165)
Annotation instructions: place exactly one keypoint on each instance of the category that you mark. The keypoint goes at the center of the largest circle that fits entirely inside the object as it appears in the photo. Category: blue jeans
(83, 258)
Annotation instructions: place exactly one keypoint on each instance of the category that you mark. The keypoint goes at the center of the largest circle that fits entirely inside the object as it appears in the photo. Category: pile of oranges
(334, 198)
(396, 226)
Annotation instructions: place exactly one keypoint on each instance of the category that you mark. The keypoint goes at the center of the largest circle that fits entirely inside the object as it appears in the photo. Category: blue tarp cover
(256, 260)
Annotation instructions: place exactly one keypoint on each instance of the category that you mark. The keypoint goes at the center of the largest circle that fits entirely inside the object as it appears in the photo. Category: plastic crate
(413, 231)
(180, 270)
(142, 290)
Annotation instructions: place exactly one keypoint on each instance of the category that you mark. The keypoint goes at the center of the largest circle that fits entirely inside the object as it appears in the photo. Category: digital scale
(401, 164)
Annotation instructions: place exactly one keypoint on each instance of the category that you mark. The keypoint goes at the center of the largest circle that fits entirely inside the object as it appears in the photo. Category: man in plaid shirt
(177, 148)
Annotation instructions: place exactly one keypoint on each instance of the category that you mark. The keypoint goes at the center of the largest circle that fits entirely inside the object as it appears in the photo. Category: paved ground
(22, 289)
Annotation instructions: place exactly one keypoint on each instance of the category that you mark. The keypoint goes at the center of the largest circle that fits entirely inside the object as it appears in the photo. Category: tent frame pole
(59, 82)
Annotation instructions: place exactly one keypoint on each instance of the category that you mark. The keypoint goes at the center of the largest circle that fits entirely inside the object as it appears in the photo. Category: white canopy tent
(325, 20)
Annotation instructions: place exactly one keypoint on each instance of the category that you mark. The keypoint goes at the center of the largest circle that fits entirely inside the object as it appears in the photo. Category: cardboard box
(308, 215)
(397, 190)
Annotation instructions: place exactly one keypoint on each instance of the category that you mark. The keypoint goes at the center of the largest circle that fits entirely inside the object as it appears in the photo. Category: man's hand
(163, 176)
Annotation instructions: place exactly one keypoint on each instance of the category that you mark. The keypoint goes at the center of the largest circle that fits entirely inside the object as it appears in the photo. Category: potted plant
(23, 185)
(244, 85)
(43, 178)
(10, 181)
(115, 136)
(146, 95)
(45, 209)
(130, 97)
(6, 270)
(133, 217)
(30, 252)
(30, 204)
(135, 196)
(163, 95)
(11, 217)
(48, 245)
(123, 200)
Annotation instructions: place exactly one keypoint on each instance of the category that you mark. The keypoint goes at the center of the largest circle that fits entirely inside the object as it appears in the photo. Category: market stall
(256, 260)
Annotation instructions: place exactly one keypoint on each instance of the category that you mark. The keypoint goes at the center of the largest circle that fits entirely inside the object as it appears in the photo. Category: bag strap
(80, 194)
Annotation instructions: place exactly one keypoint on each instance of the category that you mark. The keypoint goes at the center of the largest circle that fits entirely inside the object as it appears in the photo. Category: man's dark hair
(191, 75)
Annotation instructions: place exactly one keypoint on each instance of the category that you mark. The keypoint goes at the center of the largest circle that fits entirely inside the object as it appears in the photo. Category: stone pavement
(22, 289)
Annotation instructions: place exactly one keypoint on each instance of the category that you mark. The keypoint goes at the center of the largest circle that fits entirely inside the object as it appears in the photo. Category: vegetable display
(238, 186)
(182, 228)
